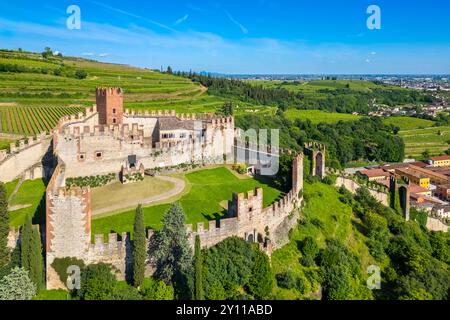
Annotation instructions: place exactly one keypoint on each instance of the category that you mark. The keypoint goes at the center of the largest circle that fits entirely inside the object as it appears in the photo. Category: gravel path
(179, 186)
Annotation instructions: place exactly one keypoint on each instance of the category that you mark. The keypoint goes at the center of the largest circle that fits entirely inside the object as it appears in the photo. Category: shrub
(97, 282)
(240, 168)
(17, 286)
(286, 280)
(152, 289)
(80, 74)
(90, 181)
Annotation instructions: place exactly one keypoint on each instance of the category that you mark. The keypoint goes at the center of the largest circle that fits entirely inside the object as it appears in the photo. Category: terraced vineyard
(32, 120)
(435, 140)
(52, 83)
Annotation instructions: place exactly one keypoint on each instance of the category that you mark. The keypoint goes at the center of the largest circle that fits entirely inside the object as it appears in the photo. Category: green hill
(36, 91)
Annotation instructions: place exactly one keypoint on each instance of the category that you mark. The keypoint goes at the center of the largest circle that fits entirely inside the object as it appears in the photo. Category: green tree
(97, 282)
(198, 270)
(36, 260)
(4, 227)
(172, 251)
(139, 248)
(156, 290)
(17, 285)
(25, 243)
(261, 281)
(80, 74)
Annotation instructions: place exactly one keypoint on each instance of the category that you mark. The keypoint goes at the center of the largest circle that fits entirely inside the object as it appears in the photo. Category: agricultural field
(435, 140)
(205, 198)
(32, 120)
(309, 87)
(408, 123)
(144, 88)
(318, 116)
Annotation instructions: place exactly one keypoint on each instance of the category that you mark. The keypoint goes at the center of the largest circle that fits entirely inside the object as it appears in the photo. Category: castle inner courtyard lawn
(202, 200)
(118, 196)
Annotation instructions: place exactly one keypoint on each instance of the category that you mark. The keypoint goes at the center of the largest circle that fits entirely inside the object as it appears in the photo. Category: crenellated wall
(25, 159)
(68, 229)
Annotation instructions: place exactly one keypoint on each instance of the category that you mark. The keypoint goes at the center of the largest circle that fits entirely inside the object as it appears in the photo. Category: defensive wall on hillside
(353, 186)
(26, 159)
(68, 226)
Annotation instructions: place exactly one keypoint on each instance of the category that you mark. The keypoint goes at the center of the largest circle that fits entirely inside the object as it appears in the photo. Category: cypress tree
(139, 248)
(173, 254)
(25, 243)
(198, 270)
(4, 227)
(35, 259)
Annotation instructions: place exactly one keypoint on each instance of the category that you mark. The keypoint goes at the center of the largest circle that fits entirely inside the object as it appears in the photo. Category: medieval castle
(108, 139)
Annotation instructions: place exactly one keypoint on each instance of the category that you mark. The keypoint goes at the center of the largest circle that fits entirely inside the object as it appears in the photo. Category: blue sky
(251, 36)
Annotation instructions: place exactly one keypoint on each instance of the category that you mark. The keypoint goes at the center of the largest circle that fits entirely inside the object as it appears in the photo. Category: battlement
(109, 91)
(25, 143)
(81, 117)
(315, 145)
(112, 243)
(117, 131)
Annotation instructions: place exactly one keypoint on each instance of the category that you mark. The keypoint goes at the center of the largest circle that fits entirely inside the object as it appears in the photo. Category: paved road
(178, 187)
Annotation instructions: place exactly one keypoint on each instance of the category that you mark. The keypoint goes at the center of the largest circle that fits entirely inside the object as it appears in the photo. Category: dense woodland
(367, 139)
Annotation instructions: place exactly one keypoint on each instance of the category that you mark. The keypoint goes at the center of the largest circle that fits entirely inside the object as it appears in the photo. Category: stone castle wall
(353, 186)
(25, 159)
(78, 143)
(68, 227)
(435, 224)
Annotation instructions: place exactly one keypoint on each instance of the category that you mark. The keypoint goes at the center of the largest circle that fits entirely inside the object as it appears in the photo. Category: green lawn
(318, 116)
(408, 123)
(53, 295)
(324, 217)
(433, 139)
(208, 189)
(117, 193)
(31, 192)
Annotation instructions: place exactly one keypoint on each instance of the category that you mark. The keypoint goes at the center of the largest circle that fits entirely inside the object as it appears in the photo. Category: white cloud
(373, 53)
(181, 20)
(243, 29)
(88, 54)
(104, 55)
(367, 60)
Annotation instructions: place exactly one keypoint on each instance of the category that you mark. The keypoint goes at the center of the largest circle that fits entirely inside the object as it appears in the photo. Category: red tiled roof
(440, 158)
(371, 173)
(414, 188)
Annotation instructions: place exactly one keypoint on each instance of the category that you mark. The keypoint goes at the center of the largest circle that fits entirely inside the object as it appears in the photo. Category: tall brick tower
(109, 105)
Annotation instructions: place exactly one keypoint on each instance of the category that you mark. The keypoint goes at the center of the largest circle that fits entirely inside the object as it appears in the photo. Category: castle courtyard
(205, 191)
(118, 196)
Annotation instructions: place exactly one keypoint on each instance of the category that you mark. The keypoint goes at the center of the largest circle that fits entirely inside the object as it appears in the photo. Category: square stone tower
(109, 105)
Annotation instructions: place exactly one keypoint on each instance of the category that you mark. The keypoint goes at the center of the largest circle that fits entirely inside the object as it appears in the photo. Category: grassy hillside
(408, 123)
(324, 217)
(36, 91)
(317, 85)
(318, 116)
